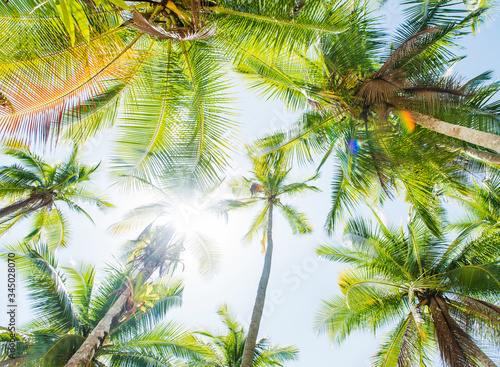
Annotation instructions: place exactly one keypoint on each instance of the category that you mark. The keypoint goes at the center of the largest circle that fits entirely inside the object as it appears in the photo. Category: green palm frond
(301, 141)
(339, 319)
(206, 253)
(138, 218)
(56, 354)
(177, 137)
(227, 349)
(343, 198)
(259, 224)
(81, 283)
(52, 226)
(296, 220)
(406, 346)
(429, 293)
(158, 346)
(51, 301)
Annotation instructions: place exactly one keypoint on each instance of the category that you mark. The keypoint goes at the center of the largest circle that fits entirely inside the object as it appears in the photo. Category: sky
(299, 279)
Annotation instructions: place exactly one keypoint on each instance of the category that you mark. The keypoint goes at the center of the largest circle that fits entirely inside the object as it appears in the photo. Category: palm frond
(296, 220)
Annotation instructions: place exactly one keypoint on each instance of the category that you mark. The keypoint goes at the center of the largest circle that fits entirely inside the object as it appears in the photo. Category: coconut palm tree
(433, 294)
(412, 75)
(155, 250)
(69, 303)
(267, 186)
(369, 110)
(158, 65)
(35, 188)
(227, 350)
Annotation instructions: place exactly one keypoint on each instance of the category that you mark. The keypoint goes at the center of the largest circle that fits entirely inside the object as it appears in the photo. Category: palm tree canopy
(160, 66)
(227, 350)
(365, 94)
(33, 187)
(435, 295)
(68, 303)
(271, 185)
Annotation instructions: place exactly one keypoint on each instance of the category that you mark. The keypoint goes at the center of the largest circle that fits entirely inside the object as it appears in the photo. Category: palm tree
(227, 350)
(35, 188)
(377, 147)
(69, 303)
(434, 294)
(155, 250)
(267, 186)
(159, 65)
(412, 76)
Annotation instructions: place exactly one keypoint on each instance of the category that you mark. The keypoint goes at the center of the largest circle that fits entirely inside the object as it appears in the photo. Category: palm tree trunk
(485, 140)
(20, 204)
(482, 155)
(40, 200)
(253, 331)
(95, 340)
(108, 323)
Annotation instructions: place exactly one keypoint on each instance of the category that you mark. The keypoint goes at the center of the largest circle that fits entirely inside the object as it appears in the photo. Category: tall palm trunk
(485, 140)
(110, 321)
(95, 340)
(30, 204)
(249, 350)
(483, 156)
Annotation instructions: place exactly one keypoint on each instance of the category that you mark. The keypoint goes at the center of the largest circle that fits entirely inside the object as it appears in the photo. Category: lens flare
(353, 145)
(407, 121)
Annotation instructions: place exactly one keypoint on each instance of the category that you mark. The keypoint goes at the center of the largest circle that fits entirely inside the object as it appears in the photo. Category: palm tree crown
(435, 295)
(370, 99)
(268, 186)
(34, 187)
(227, 350)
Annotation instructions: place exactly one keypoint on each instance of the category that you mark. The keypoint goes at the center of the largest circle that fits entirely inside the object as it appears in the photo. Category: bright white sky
(299, 280)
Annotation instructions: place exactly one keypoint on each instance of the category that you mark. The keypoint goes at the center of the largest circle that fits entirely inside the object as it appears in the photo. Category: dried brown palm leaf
(433, 95)
(451, 338)
(477, 319)
(179, 33)
(456, 347)
(377, 92)
(411, 46)
(486, 309)
(195, 11)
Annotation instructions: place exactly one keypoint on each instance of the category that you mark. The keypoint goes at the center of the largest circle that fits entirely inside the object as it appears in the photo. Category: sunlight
(191, 219)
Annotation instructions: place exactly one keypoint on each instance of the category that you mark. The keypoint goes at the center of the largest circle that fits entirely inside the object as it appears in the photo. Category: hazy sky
(299, 280)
